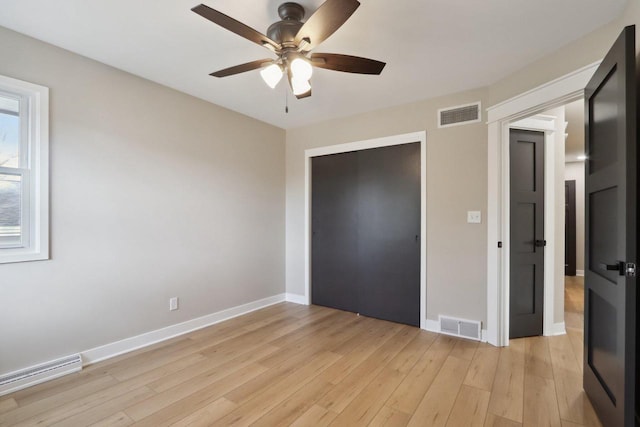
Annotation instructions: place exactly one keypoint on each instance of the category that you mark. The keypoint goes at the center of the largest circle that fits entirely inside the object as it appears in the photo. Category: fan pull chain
(286, 101)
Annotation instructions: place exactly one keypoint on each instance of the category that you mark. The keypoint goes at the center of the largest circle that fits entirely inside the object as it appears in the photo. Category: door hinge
(630, 269)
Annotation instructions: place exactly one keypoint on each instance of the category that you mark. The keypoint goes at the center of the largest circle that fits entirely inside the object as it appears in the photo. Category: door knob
(540, 243)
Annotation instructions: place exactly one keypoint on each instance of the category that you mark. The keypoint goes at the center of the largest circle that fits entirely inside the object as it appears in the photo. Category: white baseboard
(433, 326)
(558, 329)
(126, 345)
(579, 272)
(296, 299)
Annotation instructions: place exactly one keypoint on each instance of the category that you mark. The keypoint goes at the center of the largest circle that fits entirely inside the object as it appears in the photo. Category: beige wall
(456, 183)
(575, 171)
(154, 194)
(568, 58)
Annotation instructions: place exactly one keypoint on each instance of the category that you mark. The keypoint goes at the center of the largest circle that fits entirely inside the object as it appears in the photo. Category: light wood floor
(313, 366)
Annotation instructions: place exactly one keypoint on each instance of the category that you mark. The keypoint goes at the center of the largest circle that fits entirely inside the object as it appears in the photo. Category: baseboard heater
(27, 377)
(460, 327)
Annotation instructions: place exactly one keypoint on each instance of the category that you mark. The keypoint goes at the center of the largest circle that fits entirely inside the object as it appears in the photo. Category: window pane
(10, 210)
(9, 132)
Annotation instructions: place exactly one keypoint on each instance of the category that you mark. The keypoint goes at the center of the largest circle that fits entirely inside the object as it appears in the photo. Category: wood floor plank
(540, 403)
(576, 338)
(84, 393)
(496, 421)
(119, 419)
(176, 403)
(371, 399)
(412, 389)
(89, 411)
(316, 416)
(363, 346)
(264, 402)
(8, 404)
(507, 395)
(273, 375)
(483, 367)
(210, 368)
(562, 355)
(364, 407)
(204, 416)
(537, 357)
(470, 408)
(573, 403)
(343, 393)
(296, 405)
(435, 406)
(464, 349)
(389, 417)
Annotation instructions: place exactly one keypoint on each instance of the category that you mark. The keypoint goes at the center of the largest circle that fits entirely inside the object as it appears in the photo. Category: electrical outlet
(173, 303)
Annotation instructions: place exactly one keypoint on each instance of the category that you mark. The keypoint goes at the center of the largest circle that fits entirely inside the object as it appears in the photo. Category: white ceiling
(432, 47)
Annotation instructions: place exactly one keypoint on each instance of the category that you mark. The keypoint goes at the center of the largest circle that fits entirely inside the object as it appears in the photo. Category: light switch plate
(474, 217)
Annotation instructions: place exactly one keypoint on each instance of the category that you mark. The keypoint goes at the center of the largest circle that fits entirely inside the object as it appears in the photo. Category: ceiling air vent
(460, 115)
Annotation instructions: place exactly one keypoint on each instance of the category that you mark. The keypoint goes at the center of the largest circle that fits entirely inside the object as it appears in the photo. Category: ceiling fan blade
(241, 68)
(325, 21)
(235, 26)
(347, 63)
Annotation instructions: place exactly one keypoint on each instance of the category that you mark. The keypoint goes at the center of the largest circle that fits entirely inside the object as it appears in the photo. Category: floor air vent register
(460, 327)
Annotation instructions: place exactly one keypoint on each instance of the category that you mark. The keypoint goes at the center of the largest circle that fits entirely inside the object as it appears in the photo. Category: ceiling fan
(292, 41)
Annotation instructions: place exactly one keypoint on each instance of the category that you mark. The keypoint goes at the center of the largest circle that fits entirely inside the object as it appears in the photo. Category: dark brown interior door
(526, 289)
(611, 235)
(365, 247)
(570, 228)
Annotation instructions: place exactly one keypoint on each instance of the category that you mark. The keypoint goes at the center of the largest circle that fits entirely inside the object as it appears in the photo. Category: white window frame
(34, 149)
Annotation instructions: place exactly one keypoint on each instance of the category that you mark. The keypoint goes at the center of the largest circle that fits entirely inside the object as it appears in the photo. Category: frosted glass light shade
(271, 75)
(300, 86)
(301, 69)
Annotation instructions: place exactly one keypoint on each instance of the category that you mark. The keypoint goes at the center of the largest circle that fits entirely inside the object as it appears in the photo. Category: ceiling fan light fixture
(271, 75)
(301, 69)
(299, 86)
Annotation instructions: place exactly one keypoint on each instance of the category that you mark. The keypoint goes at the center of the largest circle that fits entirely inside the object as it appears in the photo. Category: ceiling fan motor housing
(284, 32)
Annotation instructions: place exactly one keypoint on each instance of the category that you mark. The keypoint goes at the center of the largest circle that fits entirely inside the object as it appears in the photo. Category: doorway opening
(574, 175)
(553, 213)
(501, 117)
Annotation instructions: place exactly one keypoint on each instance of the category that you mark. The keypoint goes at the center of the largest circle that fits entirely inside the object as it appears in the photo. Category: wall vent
(460, 327)
(460, 115)
(27, 377)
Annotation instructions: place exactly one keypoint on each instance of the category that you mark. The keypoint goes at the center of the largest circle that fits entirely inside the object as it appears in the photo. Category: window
(24, 171)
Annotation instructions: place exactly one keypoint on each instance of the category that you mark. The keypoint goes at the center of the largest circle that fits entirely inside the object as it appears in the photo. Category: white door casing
(500, 117)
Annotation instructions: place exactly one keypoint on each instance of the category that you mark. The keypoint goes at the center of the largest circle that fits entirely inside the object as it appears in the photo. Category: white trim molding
(34, 116)
(580, 273)
(407, 138)
(557, 329)
(552, 94)
(296, 299)
(126, 345)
